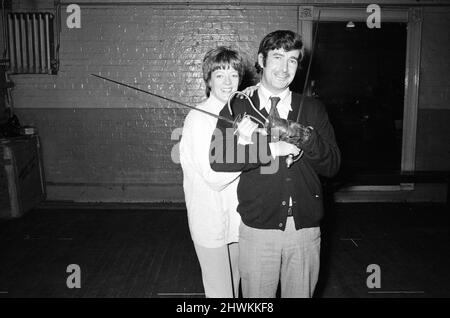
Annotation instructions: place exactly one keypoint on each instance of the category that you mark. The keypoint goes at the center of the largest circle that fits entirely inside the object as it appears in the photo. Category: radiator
(30, 42)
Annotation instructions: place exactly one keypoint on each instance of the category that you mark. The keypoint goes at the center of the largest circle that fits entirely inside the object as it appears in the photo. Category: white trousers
(216, 275)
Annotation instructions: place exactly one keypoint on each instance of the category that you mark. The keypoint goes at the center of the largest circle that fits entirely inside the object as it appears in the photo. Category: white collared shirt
(283, 106)
(211, 197)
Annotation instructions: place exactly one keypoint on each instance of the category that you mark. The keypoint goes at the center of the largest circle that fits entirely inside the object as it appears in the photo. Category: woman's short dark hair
(281, 39)
(221, 57)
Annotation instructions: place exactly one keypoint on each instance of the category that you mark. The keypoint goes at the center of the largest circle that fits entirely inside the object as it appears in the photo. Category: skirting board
(397, 193)
(129, 193)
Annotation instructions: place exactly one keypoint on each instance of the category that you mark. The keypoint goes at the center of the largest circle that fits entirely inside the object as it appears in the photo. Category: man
(280, 209)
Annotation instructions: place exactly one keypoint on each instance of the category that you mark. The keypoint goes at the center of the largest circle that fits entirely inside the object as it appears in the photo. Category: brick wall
(102, 142)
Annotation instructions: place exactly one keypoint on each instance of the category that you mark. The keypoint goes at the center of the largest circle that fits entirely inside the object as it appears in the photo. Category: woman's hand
(249, 91)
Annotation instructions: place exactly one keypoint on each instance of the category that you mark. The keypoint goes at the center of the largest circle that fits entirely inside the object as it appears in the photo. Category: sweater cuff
(309, 145)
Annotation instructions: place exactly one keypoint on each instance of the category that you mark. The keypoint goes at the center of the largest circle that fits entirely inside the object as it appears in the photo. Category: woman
(211, 198)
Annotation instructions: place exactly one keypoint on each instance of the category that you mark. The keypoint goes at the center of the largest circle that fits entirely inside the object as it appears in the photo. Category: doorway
(359, 74)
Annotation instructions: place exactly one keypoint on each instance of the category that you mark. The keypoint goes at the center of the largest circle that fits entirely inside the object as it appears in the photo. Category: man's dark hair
(281, 39)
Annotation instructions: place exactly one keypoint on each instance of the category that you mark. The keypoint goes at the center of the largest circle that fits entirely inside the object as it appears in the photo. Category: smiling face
(223, 82)
(279, 69)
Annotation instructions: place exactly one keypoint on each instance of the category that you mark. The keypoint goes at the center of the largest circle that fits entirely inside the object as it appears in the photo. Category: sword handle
(291, 159)
(240, 117)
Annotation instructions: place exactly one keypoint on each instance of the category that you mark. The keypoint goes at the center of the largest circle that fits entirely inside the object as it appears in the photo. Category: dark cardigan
(266, 184)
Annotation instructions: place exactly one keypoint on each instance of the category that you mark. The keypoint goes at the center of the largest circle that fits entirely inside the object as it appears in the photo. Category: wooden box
(22, 185)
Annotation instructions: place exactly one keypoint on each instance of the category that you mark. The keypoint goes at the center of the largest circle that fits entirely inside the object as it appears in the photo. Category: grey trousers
(269, 256)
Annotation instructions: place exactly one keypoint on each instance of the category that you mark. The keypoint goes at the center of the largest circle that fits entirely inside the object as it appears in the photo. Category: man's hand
(290, 131)
(283, 148)
(245, 129)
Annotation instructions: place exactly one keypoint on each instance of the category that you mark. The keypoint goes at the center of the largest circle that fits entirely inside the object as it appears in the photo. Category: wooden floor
(139, 252)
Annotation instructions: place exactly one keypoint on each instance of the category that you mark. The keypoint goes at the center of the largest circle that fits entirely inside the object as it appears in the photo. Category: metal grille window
(31, 43)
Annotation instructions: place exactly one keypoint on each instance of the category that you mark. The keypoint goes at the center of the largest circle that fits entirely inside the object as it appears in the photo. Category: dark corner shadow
(327, 227)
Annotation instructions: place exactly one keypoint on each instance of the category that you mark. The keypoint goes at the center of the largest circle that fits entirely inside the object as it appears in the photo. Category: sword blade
(165, 98)
(309, 68)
